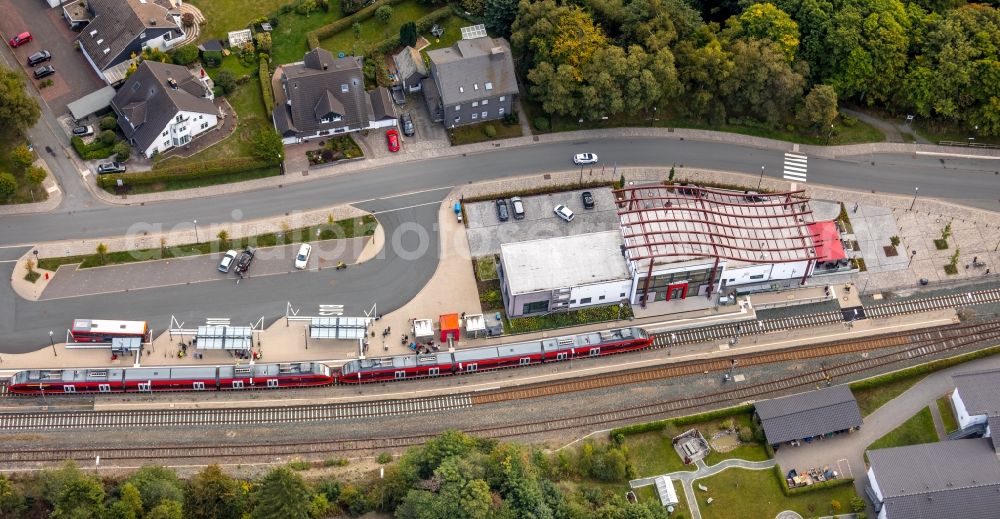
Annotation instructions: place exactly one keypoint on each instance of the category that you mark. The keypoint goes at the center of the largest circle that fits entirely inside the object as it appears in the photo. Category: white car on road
(585, 158)
(302, 258)
(564, 212)
(227, 261)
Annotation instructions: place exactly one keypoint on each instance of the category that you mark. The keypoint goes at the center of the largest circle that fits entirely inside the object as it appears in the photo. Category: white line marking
(957, 155)
(793, 155)
(403, 194)
(407, 207)
(796, 168)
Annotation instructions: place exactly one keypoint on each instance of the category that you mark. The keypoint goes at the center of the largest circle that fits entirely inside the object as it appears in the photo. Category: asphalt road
(966, 180)
(390, 280)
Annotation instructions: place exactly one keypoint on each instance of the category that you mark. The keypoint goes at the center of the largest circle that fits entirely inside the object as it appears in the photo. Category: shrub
(427, 21)
(263, 40)
(226, 81)
(408, 34)
(361, 15)
(351, 6)
(895, 241)
(511, 119)
(384, 458)
(541, 123)
(264, 74)
(383, 13)
(356, 28)
(109, 123)
(299, 465)
(8, 185)
(208, 168)
(92, 151)
(312, 40)
(108, 137)
(490, 131)
(187, 19)
(473, 7)
(185, 54)
(306, 6)
(122, 150)
(22, 156)
(336, 462)
(35, 175)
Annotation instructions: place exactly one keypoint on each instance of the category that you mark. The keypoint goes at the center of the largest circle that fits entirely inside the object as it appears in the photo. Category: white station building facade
(674, 242)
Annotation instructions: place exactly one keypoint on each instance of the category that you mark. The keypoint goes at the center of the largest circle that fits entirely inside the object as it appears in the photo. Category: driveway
(72, 282)
(486, 232)
(427, 136)
(74, 77)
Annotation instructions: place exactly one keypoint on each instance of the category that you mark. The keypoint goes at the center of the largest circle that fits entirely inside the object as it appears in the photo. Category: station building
(674, 242)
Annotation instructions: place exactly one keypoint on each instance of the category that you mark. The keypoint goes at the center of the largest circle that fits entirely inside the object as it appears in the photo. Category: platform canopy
(239, 338)
(423, 328)
(349, 328)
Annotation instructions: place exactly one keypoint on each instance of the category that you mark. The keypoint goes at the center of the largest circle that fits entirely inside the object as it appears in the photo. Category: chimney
(498, 50)
(326, 65)
(152, 21)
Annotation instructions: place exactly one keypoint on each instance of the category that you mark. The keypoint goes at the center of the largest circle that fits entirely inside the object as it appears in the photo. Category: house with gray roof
(410, 69)
(473, 81)
(959, 478)
(807, 415)
(162, 106)
(121, 28)
(323, 95)
(976, 398)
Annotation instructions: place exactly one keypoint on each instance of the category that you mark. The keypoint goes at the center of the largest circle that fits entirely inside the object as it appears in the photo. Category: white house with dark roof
(323, 95)
(976, 398)
(472, 81)
(121, 28)
(163, 105)
(957, 478)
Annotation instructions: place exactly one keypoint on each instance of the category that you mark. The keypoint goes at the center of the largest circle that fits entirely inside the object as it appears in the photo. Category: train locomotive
(310, 374)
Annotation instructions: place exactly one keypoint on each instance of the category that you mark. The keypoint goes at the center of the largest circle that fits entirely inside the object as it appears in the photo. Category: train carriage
(272, 376)
(382, 369)
(523, 354)
(56, 381)
(163, 378)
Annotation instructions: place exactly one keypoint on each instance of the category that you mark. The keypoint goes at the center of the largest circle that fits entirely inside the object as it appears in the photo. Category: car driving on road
(227, 261)
(110, 167)
(585, 158)
(564, 212)
(39, 57)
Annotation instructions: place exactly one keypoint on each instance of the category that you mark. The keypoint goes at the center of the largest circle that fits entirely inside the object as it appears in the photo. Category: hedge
(830, 483)
(265, 86)
(659, 425)
(922, 369)
(206, 168)
(321, 33)
(92, 151)
(424, 23)
(543, 190)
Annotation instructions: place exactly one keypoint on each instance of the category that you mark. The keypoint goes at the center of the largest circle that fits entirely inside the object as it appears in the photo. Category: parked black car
(246, 257)
(39, 57)
(407, 124)
(502, 212)
(110, 167)
(45, 71)
(588, 200)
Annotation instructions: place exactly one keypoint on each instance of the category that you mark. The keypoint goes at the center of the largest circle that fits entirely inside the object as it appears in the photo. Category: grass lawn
(222, 16)
(918, 429)
(872, 398)
(486, 268)
(349, 228)
(191, 183)
(856, 133)
(452, 32)
(477, 132)
(937, 132)
(652, 455)
(288, 40)
(373, 30)
(740, 493)
(947, 414)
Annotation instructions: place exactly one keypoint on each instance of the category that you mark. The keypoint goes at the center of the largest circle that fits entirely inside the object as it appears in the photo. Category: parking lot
(74, 78)
(486, 232)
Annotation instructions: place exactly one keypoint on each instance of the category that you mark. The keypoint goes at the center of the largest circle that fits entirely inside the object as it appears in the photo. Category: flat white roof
(423, 328)
(563, 262)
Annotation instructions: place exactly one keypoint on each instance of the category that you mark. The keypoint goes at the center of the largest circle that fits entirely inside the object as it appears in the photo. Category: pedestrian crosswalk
(795, 167)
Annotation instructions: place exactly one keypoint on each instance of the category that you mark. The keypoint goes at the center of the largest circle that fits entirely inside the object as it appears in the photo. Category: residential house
(957, 478)
(808, 415)
(472, 81)
(976, 399)
(323, 95)
(162, 105)
(120, 29)
(410, 69)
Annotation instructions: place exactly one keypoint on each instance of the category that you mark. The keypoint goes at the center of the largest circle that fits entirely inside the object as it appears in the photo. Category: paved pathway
(688, 477)
(938, 423)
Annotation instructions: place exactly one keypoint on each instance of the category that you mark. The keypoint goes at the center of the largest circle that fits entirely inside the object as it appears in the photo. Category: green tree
(18, 109)
(185, 54)
(22, 156)
(223, 237)
(157, 484)
(384, 13)
(282, 493)
(108, 137)
(226, 80)
(704, 69)
(473, 7)
(762, 84)
(122, 150)
(263, 40)
(101, 250)
(765, 21)
(819, 109)
(408, 34)
(35, 175)
(109, 123)
(154, 54)
(320, 506)
(11, 500)
(8, 185)
(167, 509)
(128, 505)
(356, 29)
(499, 16)
(212, 494)
(268, 146)
(352, 500)
(72, 493)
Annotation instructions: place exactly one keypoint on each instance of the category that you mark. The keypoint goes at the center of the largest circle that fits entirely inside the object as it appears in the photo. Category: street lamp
(196, 239)
(761, 178)
(914, 253)
(53, 344)
(915, 191)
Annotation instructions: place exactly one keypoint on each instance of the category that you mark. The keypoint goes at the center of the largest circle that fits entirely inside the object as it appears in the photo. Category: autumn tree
(767, 22)
(18, 109)
(819, 109)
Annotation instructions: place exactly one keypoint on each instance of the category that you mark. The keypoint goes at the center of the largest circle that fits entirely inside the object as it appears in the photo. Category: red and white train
(306, 374)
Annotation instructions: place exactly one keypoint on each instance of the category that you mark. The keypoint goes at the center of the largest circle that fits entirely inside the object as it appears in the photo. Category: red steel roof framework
(687, 221)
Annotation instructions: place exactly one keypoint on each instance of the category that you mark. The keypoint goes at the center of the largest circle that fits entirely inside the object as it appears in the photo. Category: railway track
(967, 336)
(727, 331)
